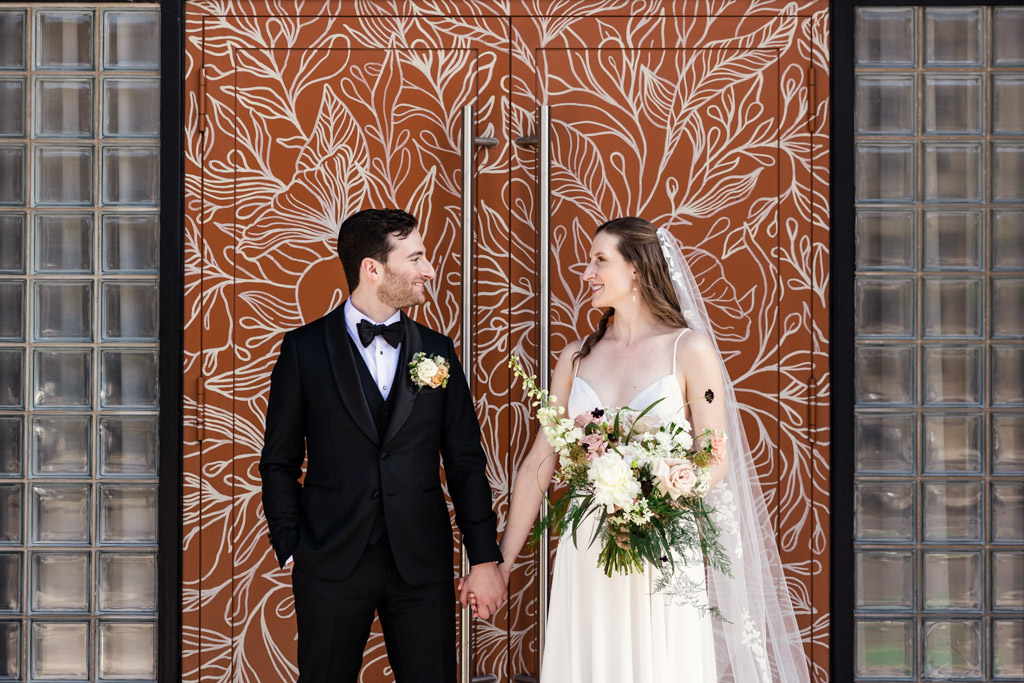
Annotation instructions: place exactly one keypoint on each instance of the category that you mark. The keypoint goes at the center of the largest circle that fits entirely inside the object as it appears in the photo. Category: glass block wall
(939, 438)
(79, 108)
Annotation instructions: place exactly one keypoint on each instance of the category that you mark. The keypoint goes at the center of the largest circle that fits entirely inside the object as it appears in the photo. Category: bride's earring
(634, 293)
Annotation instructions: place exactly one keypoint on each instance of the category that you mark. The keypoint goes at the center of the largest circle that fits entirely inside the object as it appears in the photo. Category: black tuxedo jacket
(318, 412)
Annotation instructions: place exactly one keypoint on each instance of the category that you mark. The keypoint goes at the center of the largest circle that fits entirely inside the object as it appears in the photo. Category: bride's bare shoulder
(695, 346)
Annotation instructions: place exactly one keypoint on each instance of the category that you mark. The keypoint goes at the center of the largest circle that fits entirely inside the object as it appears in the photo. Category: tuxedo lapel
(346, 376)
(406, 396)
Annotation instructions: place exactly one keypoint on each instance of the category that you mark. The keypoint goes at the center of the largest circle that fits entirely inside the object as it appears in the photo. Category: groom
(368, 530)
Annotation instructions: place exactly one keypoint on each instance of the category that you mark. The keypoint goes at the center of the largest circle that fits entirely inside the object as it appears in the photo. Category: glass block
(954, 36)
(12, 175)
(1007, 370)
(127, 446)
(952, 375)
(63, 310)
(131, 243)
(64, 39)
(10, 520)
(953, 240)
(953, 443)
(131, 107)
(1007, 443)
(1007, 103)
(884, 374)
(1007, 580)
(884, 648)
(60, 582)
(885, 307)
(884, 511)
(63, 107)
(885, 239)
(130, 310)
(885, 37)
(12, 243)
(60, 514)
(952, 649)
(60, 650)
(952, 307)
(1007, 172)
(61, 445)
(10, 583)
(1007, 239)
(131, 175)
(954, 103)
(131, 39)
(12, 40)
(63, 175)
(10, 650)
(1007, 649)
(884, 442)
(12, 378)
(127, 582)
(62, 243)
(128, 379)
(1007, 307)
(1007, 512)
(885, 172)
(886, 103)
(127, 514)
(952, 581)
(12, 106)
(884, 580)
(12, 310)
(953, 172)
(11, 442)
(1007, 28)
(127, 650)
(953, 511)
(62, 378)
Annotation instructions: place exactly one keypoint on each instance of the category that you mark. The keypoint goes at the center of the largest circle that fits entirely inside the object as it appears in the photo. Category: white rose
(426, 370)
(684, 440)
(648, 424)
(614, 485)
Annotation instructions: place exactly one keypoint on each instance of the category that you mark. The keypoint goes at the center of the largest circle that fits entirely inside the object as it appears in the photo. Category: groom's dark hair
(365, 235)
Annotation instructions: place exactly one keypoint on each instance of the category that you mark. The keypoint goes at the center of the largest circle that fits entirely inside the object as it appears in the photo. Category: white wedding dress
(616, 629)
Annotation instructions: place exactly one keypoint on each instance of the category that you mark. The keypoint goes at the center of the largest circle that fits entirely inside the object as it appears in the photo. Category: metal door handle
(468, 141)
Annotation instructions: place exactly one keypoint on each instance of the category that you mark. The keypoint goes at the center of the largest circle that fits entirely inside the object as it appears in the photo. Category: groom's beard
(398, 293)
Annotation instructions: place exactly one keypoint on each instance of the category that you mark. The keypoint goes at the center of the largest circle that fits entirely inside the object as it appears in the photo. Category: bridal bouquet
(644, 476)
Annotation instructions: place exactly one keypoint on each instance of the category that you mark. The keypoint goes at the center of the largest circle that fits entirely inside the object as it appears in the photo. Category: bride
(654, 342)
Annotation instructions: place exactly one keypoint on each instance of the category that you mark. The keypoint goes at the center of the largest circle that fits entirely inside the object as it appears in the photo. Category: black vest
(380, 410)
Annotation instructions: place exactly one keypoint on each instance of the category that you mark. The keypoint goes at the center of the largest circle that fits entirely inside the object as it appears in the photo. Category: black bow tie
(392, 333)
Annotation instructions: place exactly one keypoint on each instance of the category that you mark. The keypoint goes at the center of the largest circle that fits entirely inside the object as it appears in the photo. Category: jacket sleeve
(465, 467)
(283, 451)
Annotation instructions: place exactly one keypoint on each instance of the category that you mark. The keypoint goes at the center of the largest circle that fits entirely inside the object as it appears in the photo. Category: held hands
(485, 589)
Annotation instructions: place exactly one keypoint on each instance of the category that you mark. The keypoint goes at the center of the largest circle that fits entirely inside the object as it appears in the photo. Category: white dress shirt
(380, 357)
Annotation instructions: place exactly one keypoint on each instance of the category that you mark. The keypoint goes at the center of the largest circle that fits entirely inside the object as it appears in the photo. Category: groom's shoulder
(312, 330)
(432, 340)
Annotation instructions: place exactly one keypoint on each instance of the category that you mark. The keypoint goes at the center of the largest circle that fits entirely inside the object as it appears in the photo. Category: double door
(510, 136)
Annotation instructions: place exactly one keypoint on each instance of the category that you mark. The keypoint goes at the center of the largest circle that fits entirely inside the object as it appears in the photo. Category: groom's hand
(488, 586)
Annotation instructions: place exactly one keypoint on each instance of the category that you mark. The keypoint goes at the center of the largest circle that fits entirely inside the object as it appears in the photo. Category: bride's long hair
(639, 245)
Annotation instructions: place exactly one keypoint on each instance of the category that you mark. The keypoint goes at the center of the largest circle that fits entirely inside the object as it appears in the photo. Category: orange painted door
(700, 118)
(703, 125)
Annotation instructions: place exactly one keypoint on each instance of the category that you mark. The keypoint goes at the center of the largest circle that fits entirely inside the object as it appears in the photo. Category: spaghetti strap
(578, 361)
(675, 349)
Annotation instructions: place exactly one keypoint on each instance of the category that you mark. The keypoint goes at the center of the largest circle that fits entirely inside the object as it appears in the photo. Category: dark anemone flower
(598, 413)
(709, 396)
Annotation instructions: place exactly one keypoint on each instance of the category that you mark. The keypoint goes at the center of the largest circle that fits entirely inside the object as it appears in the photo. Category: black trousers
(334, 619)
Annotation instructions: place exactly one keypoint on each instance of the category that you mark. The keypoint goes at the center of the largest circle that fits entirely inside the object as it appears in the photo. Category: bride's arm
(698, 362)
(534, 475)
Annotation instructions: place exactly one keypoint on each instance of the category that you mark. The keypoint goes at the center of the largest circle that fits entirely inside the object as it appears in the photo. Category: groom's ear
(370, 270)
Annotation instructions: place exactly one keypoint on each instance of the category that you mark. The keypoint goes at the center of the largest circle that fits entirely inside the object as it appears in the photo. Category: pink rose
(675, 476)
(583, 419)
(718, 446)
(594, 444)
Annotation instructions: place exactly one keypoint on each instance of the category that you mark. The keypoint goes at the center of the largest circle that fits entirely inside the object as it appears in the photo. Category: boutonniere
(428, 371)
